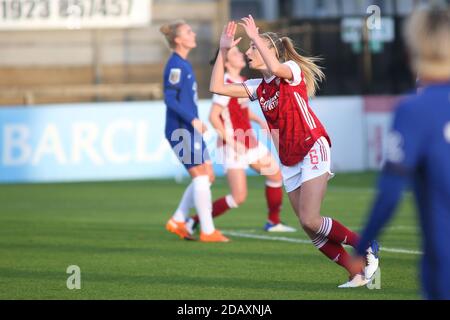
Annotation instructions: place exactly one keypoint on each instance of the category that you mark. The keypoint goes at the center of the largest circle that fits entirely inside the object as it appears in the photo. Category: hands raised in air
(227, 40)
(250, 27)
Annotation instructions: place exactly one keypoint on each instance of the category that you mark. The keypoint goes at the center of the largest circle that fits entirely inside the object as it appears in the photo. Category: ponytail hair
(285, 51)
(170, 31)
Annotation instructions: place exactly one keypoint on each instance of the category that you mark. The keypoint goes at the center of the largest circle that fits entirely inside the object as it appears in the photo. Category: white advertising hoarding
(125, 140)
(73, 14)
(378, 114)
(343, 118)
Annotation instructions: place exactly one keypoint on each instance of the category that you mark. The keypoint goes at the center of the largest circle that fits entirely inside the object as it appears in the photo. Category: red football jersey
(286, 109)
(235, 118)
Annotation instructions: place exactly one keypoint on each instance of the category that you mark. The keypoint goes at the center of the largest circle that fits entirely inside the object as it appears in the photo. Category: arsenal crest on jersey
(175, 75)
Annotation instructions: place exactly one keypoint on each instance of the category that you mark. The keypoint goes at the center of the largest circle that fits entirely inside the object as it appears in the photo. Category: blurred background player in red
(289, 79)
(184, 132)
(238, 149)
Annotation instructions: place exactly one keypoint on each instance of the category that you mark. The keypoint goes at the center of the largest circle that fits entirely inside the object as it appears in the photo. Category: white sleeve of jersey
(250, 86)
(221, 100)
(296, 73)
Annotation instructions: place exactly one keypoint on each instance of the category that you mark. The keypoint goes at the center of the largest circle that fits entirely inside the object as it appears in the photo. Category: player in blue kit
(184, 132)
(419, 151)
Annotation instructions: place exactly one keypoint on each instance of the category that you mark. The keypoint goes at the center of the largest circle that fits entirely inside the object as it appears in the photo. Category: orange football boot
(216, 236)
(179, 228)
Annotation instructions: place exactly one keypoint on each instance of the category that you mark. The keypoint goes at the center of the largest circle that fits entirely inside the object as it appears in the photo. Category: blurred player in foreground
(419, 150)
(238, 149)
(184, 132)
(288, 80)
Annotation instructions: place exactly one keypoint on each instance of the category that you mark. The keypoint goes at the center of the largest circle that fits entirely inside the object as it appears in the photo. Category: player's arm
(390, 188)
(170, 98)
(173, 81)
(171, 90)
(217, 84)
(214, 118)
(273, 64)
(404, 153)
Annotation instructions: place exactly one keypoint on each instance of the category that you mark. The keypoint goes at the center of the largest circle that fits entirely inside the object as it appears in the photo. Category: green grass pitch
(115, 232)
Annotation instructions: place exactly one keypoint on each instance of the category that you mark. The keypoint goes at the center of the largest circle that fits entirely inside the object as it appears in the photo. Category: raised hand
(250, 27)
(227, 40)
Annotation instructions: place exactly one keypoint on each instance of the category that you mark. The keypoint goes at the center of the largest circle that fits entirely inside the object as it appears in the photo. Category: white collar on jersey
(267, 80)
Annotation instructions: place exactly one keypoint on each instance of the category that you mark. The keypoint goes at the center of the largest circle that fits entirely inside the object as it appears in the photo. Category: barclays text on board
(87, 141)
(76, 143)
(125, 140)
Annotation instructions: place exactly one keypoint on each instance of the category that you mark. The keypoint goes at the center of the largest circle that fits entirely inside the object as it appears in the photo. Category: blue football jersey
(180, 94)
(418, 153)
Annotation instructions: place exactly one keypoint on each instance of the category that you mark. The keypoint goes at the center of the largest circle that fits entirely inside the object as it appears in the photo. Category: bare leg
(306, 202)
(237, 180)
(268, 167)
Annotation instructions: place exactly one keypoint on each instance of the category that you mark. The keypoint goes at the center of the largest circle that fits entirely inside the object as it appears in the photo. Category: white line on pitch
(303, 241)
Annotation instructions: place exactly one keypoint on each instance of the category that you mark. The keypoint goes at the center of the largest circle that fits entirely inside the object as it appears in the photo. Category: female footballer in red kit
(239, 149)
(288, 80)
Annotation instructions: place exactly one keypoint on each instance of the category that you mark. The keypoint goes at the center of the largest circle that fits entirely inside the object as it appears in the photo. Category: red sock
(338, 233)
(274, 197)
(220, 206)
(337, 253)
(341, 234)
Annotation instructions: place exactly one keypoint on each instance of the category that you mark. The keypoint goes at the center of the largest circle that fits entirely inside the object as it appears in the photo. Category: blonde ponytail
(170, 31)
(312, 72)
(285, 51)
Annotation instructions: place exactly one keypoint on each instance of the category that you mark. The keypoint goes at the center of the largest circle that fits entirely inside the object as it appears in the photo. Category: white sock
(325, 226)
(202, 201)
(274, 184)
(186, 203)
